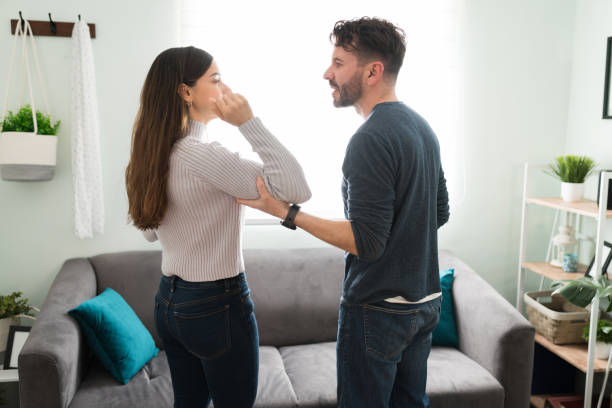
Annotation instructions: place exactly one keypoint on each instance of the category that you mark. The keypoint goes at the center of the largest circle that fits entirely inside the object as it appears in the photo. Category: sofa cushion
(454, 380)
(312, 371)
(115, 334)
(274, 389)
(151, 387)
(296, 293)
(445, 333)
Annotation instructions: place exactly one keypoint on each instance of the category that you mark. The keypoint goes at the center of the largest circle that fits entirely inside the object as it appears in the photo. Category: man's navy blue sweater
(395, 197)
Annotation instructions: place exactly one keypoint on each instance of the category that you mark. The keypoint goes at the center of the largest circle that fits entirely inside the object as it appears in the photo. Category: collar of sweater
(198, 130)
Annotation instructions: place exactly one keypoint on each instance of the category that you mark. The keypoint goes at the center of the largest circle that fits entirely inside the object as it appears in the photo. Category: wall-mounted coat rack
(51, 28)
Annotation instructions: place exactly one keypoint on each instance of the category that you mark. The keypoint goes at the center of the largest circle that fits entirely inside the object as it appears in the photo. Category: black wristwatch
(290, 218)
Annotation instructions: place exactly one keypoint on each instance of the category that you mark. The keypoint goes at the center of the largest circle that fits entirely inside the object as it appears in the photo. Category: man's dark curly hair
(372, 39)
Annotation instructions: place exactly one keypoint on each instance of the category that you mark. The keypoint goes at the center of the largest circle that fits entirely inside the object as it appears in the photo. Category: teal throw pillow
(115, 334)
(445, 333)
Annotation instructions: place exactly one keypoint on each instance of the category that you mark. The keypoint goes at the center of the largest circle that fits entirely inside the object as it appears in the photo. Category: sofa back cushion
(296, 293)
(135, 276)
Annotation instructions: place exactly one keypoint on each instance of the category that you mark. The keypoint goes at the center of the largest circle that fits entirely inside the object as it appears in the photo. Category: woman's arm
(229, 172)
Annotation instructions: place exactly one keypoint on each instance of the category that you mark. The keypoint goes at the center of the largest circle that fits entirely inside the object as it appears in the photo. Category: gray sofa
(296, 295)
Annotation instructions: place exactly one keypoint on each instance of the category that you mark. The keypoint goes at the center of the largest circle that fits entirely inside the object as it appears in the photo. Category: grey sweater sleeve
(226, 170)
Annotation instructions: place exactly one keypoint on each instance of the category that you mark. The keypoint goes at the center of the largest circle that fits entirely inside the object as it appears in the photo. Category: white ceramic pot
(571, 192)
(27, 156)
(5, 324)
(602, 350)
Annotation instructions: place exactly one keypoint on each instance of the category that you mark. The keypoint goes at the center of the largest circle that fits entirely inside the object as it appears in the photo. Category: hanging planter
(26, 155)
(28, 143)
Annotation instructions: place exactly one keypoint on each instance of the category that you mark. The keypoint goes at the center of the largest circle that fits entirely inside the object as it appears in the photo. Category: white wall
(518, 64)
(518, 61)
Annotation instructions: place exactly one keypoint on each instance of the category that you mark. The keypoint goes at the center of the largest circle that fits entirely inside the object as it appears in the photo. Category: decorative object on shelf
(606, 260)
(17, 338)
(12, 307)
(27, 153)
(604, 338)
(572, 171)
(563, 243)
(570, 263)
(555, 318)
(609, 206)
(607, 112)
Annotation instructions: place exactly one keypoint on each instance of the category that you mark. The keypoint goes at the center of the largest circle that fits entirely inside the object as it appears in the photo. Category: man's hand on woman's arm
(336, 233)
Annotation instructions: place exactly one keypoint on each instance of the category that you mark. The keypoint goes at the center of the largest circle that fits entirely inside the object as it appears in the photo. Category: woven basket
(555, 318)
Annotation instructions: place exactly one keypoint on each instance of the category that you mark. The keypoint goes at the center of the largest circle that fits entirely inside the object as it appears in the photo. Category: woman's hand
(233, 108)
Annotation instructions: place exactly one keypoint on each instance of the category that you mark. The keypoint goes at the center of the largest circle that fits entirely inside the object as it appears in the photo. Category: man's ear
(185, 92)
(375, 72)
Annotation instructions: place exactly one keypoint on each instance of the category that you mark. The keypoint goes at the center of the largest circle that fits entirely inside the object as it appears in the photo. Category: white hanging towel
(86, 163)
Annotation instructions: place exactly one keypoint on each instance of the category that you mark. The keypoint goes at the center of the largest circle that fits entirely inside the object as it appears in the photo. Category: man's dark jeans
(209, 334)
(382, 353)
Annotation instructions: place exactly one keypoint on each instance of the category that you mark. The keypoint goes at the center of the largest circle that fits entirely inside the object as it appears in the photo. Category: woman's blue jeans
(209, 334)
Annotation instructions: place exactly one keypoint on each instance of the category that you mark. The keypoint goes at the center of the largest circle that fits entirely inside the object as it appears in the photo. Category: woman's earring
(189, 104)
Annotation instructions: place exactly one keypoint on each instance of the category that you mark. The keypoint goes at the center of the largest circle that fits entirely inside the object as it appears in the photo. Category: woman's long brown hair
(161, 121)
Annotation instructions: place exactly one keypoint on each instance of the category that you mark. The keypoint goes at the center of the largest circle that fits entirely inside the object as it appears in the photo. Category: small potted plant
(572, 171)
(28, 146)
(12, 307)
(603, 341)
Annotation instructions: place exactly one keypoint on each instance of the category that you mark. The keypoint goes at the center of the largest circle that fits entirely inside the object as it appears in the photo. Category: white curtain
(88, 200)
(275, 53)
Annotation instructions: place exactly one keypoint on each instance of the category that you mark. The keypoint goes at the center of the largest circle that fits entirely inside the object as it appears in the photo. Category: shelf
(9, 376)
(583, 207)
(575, 354)
(552, 272)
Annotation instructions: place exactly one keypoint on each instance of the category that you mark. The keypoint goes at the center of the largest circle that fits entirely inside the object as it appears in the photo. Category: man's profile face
(344, 76)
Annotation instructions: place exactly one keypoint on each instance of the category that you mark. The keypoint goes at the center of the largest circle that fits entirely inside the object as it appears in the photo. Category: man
(395, 200)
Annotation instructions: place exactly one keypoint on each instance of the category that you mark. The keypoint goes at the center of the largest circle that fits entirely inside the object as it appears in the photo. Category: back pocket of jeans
(206, 333)
(387, 332)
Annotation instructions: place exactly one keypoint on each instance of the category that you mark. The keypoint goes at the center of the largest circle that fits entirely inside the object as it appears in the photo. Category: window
(275, 54)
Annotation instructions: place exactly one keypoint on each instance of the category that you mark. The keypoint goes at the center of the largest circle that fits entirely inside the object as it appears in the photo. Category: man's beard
(349, 93)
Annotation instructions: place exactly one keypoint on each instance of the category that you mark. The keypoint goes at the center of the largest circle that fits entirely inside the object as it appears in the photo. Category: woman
(182, 191)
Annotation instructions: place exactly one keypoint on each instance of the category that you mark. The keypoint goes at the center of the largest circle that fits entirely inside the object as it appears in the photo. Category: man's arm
(443, 209)
(336, 233)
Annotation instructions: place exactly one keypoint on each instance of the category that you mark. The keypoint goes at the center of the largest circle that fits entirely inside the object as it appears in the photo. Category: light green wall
(518, 60)
(587, 133)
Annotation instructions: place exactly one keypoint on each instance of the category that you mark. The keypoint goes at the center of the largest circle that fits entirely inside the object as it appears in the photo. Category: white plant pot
(602, 350)
(27, 156)
(571, 192)
(5, 325)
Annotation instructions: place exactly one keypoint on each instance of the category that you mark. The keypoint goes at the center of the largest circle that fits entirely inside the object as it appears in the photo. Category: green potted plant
(28, 145)
(603, 340)
(12, 307)
(572, 171)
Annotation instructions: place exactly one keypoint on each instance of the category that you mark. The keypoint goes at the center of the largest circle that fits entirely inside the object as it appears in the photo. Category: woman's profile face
(206, 87)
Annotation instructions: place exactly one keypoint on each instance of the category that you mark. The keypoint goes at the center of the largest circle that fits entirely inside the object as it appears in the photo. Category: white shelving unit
(580, 356)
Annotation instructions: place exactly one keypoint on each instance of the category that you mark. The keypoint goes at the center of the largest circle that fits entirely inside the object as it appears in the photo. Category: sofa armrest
(494, 334)
(52, 359)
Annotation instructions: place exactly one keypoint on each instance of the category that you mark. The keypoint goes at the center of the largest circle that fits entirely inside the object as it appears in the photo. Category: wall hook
(79, 17)
(52, 24)
(22, 22)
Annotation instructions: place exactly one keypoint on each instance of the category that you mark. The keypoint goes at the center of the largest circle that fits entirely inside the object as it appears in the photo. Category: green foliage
(22, 122)
(604, 331)
(13, 305)
(581, 291)
(572, 169)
